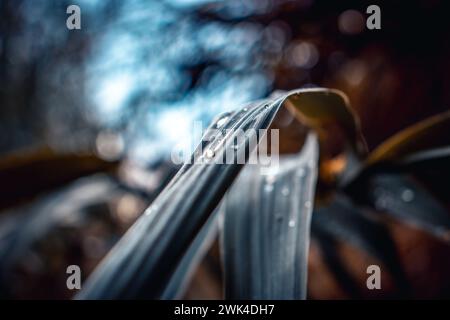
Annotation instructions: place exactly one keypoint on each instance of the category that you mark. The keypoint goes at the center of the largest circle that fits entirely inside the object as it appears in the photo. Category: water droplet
(407, 195)
(300, 172)
(308, 204)
(268, 188)
(150, 210)
(279, 217)
(285, 191)
(291, 223)
(221, 122)
(209, 153)
(245, 109)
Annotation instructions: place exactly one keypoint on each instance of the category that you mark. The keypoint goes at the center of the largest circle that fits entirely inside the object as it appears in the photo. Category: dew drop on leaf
(300, 172)
(209, 154)
(221, 122)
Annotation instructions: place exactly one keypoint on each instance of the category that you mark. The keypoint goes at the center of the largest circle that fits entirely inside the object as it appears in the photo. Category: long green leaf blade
(266, 228)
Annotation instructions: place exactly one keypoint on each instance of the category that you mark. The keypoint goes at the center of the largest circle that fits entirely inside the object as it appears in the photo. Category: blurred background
(88, 117)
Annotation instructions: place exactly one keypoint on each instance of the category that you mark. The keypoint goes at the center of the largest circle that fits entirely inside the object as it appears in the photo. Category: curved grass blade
(141, 264)
(430, 167)
(436, 159)
(402, 197)
(324, 106)
(417, 147)
(324, 111)
(266, 229)
(430, 133)
(341, 220)
(197, 250)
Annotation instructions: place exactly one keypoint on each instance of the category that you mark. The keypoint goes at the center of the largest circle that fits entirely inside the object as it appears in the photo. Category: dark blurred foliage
(131, 82)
